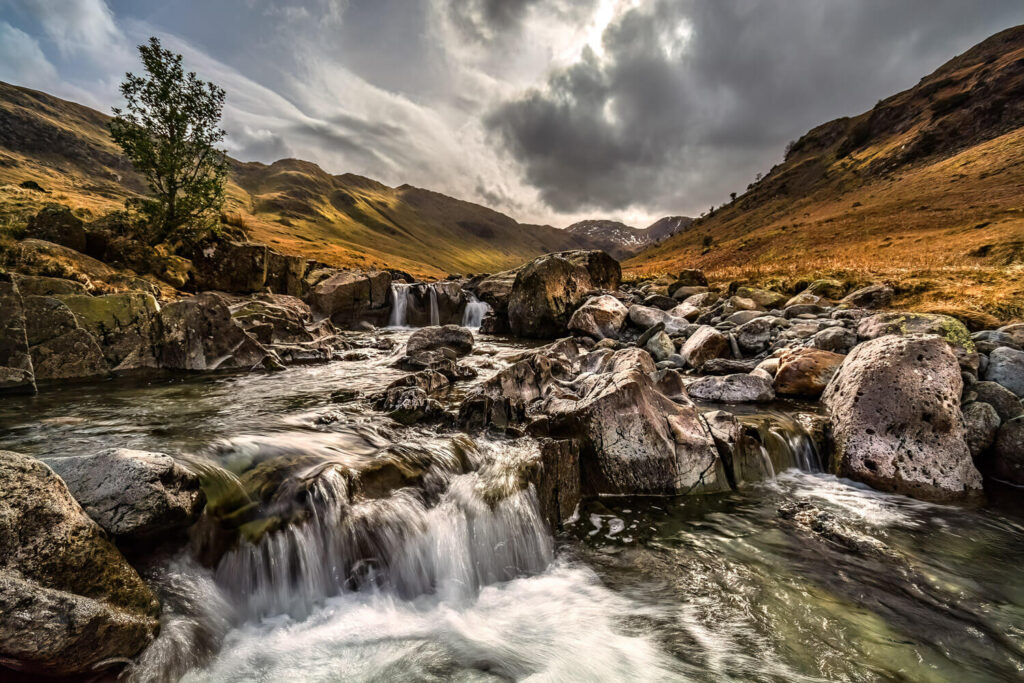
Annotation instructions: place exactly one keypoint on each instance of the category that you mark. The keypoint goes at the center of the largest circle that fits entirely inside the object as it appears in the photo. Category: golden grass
(948, 233)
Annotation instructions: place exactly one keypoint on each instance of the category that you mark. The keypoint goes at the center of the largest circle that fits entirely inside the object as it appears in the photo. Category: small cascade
(475, 311)
(450, 538)
(784, 443)
(399, 304)
(435, 315)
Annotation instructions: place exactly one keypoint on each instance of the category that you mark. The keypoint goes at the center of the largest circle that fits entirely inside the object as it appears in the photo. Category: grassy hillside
(924, 190)
(296, 206)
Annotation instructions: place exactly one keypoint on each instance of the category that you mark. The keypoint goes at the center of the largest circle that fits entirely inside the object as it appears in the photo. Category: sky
(549, 110)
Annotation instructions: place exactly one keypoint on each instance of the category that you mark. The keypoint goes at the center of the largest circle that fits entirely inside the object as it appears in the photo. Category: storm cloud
(683, 102)
(550, 110)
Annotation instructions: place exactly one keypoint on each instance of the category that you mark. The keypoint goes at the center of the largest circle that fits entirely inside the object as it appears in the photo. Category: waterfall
(399, 304)
(450, 538)
(783, 443)
(435, 315)
(475, 312)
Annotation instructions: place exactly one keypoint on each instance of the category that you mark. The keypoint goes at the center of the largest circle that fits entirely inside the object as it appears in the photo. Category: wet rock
(1007, 460)
(871, 297)
(548, 290)
(495, 291)
(660, 346)
(409, 405)
(350, 297)
(122, 324)
(286, 326)
(1005, 402)
(429, 381)
(601, 317)
(633, 439)
(982, 423)
(732, 389)
(454, 337)
(55, 223)
(60, 349)
(706, 343)
(557, 480)
(826, 525)
(132, 494)
(804, 310)
(1006, 368)
(894, 406)
(806, 372)
(435, 361)
(69, 602)
(199, 333)
(755, 335)
(15, 362)
(835, 339)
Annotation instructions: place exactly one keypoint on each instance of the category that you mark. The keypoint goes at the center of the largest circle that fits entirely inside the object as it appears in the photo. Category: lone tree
(168, 130)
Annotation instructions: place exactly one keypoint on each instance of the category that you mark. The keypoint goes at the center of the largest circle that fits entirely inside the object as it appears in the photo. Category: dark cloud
(481, 20)
(690, 98)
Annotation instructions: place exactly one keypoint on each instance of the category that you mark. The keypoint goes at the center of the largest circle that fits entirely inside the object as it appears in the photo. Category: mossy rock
(949, 328)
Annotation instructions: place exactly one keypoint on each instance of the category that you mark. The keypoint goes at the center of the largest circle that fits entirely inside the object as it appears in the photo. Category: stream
(460, 580)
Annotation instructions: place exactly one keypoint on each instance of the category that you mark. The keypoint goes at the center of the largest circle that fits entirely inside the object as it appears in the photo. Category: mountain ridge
(293, 205)
(923, 190)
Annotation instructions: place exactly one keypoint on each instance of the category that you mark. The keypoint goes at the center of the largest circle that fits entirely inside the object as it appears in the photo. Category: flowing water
(457, 578)
(399, 304)
(475, 311)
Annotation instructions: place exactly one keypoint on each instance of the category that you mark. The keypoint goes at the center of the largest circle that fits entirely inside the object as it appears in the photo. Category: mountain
(618, 239)
(293, 205)
(663, 228)
(923, 190)
(621, 240)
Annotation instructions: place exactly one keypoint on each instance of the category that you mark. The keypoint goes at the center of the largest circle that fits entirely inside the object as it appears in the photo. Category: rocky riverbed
(648, 480)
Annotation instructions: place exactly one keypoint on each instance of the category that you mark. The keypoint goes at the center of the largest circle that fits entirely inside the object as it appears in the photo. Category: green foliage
(168, 130)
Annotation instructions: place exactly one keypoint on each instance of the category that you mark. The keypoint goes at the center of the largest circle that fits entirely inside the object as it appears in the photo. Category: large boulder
(736, 388)
(601, 317)
(285, 274)
(901, 323)
(69, 602)
(55, 223)
(15, 362)
(805, 372)
(454, 337)
(548, 290)
(762, 297)
(122, 324)
(60, 349)
(199, 333)
(703, 345)
(894, 407)
(132, 494)
(40, 285)
(1006, 368)
(633, 439)
(229, 266)
(352, 297)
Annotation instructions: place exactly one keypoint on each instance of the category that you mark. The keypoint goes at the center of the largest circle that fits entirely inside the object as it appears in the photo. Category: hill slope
(296, 206)
(923, 190)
